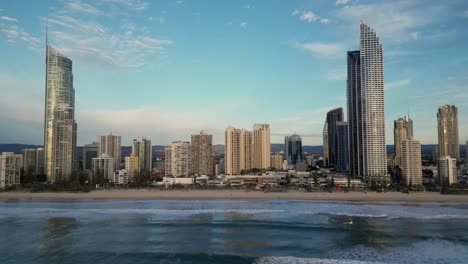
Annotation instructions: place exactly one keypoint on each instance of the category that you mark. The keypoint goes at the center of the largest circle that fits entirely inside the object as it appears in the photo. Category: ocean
(226, 231)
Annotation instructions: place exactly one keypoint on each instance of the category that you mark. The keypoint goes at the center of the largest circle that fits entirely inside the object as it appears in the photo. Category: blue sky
(167, 69)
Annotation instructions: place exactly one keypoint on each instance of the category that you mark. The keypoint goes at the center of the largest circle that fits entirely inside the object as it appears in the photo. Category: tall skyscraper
(40, 161)
(342, 151)
(402, 130)
(411, 165)
(326, 150)
(366, 111)
(237, 150)
(29, 160)
(261, 146)
(132, 166)
(90, 151)
(142, 148)
(202, 154)
(333, 116)
(63, 143)
(294, 152)
(178, 161)
(111, 145)
(59, 92)
(447, 124)
(10, 169)
(447, 170)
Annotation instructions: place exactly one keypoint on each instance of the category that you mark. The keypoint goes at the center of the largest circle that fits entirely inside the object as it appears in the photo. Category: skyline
(252, 80)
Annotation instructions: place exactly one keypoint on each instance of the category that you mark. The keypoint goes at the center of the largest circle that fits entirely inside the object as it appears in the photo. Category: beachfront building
(261, 146)
(342, 153)
(276, 161)
(178, 161)
(103, 166)
(202, 154)
(132, 166)
(120, 177)
(447, 170)
(90, 151)
(447, 127)
(29, 160)
(333, 116)
(411, 165)
(402, 130)
(293, 149)
(142, 148)
(111, 146)
(237, 150)
(10, 169)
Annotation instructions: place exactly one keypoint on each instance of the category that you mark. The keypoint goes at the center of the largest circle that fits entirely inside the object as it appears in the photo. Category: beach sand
(153, 194)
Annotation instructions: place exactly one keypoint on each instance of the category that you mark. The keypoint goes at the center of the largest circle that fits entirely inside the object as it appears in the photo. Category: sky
(168, 69)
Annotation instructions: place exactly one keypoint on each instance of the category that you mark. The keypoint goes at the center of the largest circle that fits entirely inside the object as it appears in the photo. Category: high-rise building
(411, 165)
(333, 116)
(63, 143)
(366, 111)
(103, 165)
(276, 161)
(111, 145)
(237, 150)
(29, 160)
(326, 150)
(178, 161)
(59, 91)
(202, 154)
(90, 151)
(342, 151)
(142, 148)
(132, 166)
(261, 146)
(447, 124)
(40, 160)
(293, 147)
(447, 170)
(10, 169)
(402, 130)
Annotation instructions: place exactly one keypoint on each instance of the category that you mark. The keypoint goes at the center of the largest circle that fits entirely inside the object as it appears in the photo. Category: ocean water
(224, 231)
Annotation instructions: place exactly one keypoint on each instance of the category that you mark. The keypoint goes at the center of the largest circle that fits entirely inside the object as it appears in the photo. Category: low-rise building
(121, 177)
(10, 169)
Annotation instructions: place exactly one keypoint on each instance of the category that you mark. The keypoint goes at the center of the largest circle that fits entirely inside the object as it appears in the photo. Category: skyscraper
(202, 154)
(261, 146)
(333, 116)
(110, 145)
(276, 161)
(402, 130)
(294, 152)
(447, 170)
(63, 143)
(10, 169)
(103, 165)
(178, 161)
(326, 151)
(342, 151)
(132, 166)
(90, 151)
(366, 111)
(237, 150)
(59, 92)
(29, 160)
(447, 124)
(411, 166)
(142, 148)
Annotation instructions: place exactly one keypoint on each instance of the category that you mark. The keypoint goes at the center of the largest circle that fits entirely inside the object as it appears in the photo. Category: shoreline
(152, 194)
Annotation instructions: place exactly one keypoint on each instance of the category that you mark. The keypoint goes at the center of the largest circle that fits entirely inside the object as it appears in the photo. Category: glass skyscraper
(293, 149)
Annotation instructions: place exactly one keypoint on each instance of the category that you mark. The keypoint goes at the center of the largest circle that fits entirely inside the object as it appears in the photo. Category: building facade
(333, 116)
(447, 127)
(90, 151)
(276, 161)
(10, 169)
(29, 160)
(238, 150)
(111, 146)
(59, 91)
(402, 130)
(142, 148)
(120, 177)
(293, 148)
(342, 151)
(132, 166)
(103, 165)
(411, 165)
(178, 160)
(261, 146)
(447, 170)
(326, 151)
(366, 110)
(63, 144)
(202, 154)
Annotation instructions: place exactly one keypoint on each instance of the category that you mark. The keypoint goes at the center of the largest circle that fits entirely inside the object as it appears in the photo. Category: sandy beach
(152, 194)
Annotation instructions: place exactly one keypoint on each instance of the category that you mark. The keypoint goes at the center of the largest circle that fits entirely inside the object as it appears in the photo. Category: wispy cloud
(83, 8)
(397, 84)
(243, 24)
(342, 2)
(322, 49)
(132, 4)
(9, 19)
(325, 21)
(415, 35)
(309, 16)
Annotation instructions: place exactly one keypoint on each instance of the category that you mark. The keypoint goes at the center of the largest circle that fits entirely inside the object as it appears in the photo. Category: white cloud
(309, 16)
(15, 33)
(342, 2)
(295, 12)
(132, 4)
(243, 24)
(415, 35)
(9, 19)
(325, 21)
(322, 49)
(84, 8)
(397, 84)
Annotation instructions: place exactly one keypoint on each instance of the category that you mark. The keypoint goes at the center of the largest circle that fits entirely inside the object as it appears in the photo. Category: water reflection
(56, 238)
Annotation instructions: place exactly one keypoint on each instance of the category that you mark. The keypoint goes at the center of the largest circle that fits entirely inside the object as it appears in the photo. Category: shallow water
(276, 231)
